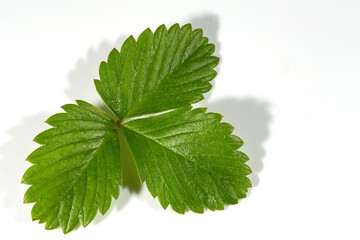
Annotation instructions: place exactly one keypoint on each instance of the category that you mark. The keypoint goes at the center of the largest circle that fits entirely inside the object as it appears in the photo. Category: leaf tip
(161, 28)
(176, 25)
(187, 26)
(131, 39)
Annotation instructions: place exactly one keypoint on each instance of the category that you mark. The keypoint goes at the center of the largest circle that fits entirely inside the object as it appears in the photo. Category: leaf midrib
(91, 157)
(172, 150)
(136, 106)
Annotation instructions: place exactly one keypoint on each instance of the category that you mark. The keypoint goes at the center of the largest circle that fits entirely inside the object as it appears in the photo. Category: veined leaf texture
(187, 157)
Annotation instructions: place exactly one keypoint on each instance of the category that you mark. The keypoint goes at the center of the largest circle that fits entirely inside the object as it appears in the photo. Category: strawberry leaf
(160, 71)
(77, 170)
(187, 157)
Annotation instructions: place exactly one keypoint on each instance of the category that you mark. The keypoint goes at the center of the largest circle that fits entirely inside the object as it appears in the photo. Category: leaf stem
(117, 124)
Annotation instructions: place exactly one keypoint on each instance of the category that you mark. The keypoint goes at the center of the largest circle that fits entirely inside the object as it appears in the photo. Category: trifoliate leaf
(77, 169)
(189, 159)
(160, 71)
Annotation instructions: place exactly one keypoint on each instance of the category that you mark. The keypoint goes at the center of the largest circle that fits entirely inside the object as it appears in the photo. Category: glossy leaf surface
(77, 170)
(160, 71)
(189, 159)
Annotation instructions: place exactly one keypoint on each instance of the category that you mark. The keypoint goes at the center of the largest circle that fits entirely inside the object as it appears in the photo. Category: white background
(289, 81)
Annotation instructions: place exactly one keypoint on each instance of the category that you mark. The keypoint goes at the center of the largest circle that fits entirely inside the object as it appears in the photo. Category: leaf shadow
(13, 166)
(86, 69)
(250, 118)
(209, 23)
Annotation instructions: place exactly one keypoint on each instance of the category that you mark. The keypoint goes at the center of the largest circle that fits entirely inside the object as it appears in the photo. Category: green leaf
(160, 71)
(189, 159)
(77, 169)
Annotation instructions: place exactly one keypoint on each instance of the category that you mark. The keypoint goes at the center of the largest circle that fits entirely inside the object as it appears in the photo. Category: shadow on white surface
(81, 84)
(13, 165)
(250, 118)
(209, 23)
